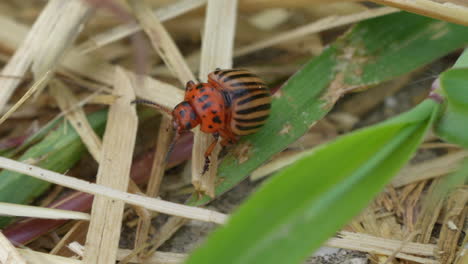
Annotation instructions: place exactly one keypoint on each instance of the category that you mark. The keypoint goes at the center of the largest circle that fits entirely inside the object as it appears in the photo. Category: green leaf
(303, 205)
(374, 51)
(452, 124)
(40, 134)
(58, 152)
(454, 84)
(462, 61)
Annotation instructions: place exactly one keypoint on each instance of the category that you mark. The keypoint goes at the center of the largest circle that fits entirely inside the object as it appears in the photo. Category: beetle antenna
(171, 146)
(152, 104)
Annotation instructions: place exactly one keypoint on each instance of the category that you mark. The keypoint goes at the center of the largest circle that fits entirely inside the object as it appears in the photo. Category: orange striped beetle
(232, 103)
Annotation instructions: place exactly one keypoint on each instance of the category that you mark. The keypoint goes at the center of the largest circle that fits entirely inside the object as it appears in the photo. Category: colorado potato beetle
(233, 103)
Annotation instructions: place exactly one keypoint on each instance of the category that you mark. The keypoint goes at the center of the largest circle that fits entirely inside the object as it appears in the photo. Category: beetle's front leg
(208, 152)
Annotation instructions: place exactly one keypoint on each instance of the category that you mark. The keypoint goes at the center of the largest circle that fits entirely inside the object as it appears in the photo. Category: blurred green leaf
(454, 84)
(303, 205)
(372, 52)
(462, 61)
(452, 124)
(38, 135)
(58, 151)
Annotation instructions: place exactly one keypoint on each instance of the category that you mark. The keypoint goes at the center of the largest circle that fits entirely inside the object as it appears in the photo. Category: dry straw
(46, 53)
(8, 253)
(39, 212)
(449, 10)
(114, 171)
(119, 32)
(51, 35)
(87, 66)
(69, 105)
(172, 57)
(216, 52)
(84, 186)
(34, 257)
(314, 27)
(41, 82)
(158, 257)
(371, 244)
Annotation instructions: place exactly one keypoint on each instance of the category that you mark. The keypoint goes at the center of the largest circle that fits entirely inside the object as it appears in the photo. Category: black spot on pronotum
(199, 86)
(203, 98)
(217, 120)
(182, 113)
(207, 105)
(193, 116)
(210, 126)
(188, 125)
(214, 112)
(202, 90)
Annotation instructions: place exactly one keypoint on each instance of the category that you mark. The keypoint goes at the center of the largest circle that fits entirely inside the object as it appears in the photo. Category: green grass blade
(452, 122)
(58, 151)
(462, 61)
(372, 52)
(303, 205)
(37, 136)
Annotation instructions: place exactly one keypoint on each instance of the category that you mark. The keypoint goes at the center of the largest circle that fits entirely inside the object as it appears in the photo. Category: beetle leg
(228, 137)
(212, 145)
(226, 141)
(208, 152)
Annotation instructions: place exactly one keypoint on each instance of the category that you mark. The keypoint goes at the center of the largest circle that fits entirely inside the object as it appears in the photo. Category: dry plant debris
(172, 57)
(114, 171)
(216, 52)
(71, 52)
(77, 117)
(8, 253)
(39, 212)
(97, 189)
(449, 10)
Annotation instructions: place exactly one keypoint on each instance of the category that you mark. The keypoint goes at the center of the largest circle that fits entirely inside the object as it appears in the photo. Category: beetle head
(184, 117)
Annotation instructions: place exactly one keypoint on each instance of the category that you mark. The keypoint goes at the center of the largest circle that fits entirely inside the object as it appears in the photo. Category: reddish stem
(13, 142)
